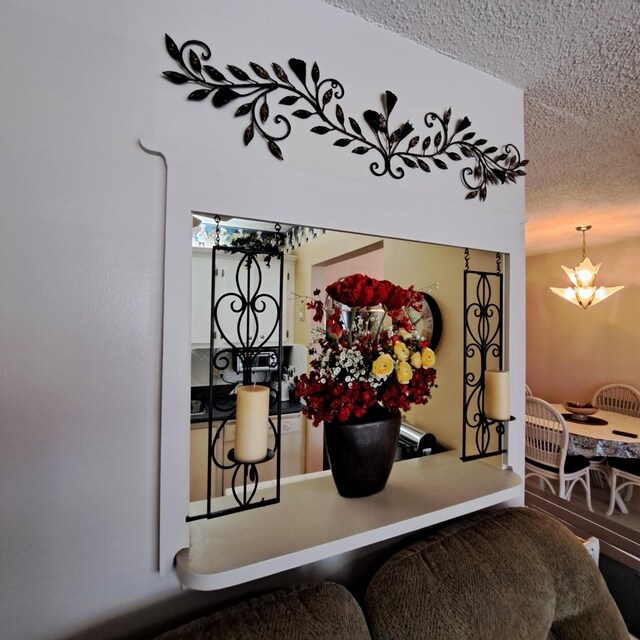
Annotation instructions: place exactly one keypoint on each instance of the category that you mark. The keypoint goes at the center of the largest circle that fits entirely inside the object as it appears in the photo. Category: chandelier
(584, 293)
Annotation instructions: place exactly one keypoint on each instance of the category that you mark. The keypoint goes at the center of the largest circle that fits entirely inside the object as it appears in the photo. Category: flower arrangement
(370, 355)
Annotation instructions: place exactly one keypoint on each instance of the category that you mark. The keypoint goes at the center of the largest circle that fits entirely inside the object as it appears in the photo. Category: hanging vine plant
(309, 96)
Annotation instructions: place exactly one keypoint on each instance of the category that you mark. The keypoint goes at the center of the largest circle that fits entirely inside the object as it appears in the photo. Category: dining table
(605, 433)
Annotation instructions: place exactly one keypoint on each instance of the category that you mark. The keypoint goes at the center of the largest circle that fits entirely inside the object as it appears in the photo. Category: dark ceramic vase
(361, 453)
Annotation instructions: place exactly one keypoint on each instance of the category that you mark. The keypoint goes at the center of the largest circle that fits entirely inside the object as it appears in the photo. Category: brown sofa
(509, 574)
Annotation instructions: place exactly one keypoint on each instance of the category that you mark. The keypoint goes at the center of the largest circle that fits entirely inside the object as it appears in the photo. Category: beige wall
(570, 351)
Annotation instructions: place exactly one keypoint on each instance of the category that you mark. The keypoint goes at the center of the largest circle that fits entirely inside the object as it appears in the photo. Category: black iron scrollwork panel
(396, 146)
(483, 336)
(245, 319)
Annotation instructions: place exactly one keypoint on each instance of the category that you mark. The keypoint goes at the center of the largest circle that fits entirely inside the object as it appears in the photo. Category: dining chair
(527, 390)
(546, 445)
(620, 398)
(628, 471)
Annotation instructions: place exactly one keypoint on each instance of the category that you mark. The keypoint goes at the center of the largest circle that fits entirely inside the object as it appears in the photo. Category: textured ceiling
(578, 62)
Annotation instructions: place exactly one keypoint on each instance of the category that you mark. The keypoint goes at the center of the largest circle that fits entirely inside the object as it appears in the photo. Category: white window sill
(312, 522)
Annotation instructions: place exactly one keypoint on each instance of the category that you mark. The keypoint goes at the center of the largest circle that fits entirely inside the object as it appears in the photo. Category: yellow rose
(416, 360)
(404, 372)
(428, 358)
(382, 366)
(401, 351)
(404, 334)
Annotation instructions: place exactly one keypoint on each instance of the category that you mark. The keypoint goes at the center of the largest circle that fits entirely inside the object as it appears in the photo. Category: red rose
(356, 290)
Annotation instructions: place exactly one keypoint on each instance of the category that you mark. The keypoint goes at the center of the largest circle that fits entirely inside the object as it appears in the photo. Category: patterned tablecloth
(599, 440)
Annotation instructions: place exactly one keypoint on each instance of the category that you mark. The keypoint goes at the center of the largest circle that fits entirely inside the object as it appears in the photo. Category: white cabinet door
(201, 292)
(240, 327)
(288, 303)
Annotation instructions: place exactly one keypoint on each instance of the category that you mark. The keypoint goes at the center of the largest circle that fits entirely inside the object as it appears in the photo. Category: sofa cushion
(509, 574)
(318, 611)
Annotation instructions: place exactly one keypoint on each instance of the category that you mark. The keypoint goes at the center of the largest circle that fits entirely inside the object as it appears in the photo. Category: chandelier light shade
(584, 293)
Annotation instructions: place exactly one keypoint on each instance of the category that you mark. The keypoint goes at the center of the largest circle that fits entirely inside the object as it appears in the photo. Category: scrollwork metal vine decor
(395, 147)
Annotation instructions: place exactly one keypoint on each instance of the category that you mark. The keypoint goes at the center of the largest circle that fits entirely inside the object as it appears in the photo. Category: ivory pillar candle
(252, 423)
(496, 395)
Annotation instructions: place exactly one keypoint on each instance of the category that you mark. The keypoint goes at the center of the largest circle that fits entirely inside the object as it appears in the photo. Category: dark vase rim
(373, 414)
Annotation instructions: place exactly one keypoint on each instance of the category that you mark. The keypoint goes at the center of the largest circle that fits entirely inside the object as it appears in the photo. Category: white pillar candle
(252, 423)
(496, 395)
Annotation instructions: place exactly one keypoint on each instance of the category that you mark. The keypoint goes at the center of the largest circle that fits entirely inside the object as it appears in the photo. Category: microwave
(263, 360)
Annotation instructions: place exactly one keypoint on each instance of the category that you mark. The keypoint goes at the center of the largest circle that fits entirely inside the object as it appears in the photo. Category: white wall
(82, 248)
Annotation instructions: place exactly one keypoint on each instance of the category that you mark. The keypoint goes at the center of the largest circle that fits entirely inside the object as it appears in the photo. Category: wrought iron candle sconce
(397, 147)
(483, 344)
(256, 320)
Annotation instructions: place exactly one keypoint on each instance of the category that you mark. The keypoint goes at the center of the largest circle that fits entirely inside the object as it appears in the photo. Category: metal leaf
(466, 152)
(438, 139)
(373, 119)
(500, 158)
(238, 73)
(468, 135)
(360, 150)
(248, 134)
(471, 195)
(213, 73)
(453, 155)
(315, 73)
(326, 97)
(440, 163)
(426, 142)
(501, 175)
(413, 142)
(302, 113)
(172, 48)
(410, 163)
(390, 101)
(524, 163)
(299, 67)
(280, 72)
(223, 96)
(264, 112)
(289, 100)
(261, 72)
(479, 142)
(243, 109)
(175, 77)
(320, 130)
(194, 61)
(275, 149)
(491, 149)
(339, 114)
(199, 94)
(424, 166)
(447, 115)
(483, 194)
(355, 126)
(463, 124)
(342, 142)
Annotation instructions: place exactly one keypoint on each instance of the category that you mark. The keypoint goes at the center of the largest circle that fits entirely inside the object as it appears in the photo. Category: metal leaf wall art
(309, 96)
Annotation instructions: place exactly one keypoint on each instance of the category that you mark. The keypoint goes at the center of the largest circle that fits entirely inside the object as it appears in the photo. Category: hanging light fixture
(584, 293)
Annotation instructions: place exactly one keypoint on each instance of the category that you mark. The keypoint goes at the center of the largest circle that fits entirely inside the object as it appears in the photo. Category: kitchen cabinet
(291, 456)
(198, 464)
(291, 453)
(225, 282)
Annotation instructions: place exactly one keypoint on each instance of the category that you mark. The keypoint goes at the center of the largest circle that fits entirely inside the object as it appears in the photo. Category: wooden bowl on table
(580, 410)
